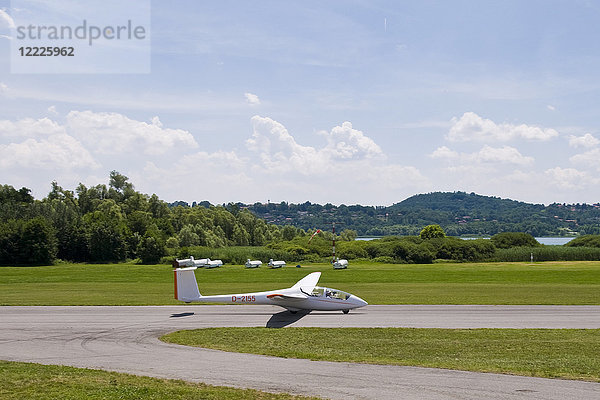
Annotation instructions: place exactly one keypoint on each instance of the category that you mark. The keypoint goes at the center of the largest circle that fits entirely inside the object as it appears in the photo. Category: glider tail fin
(186, 287)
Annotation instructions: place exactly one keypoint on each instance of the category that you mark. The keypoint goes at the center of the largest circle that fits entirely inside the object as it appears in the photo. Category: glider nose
(358, 302)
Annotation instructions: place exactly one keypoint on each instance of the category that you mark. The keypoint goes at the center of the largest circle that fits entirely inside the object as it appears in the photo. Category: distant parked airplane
(191, 262)
(276, 264)
(253, 263)
(304, 295)
(340, 264)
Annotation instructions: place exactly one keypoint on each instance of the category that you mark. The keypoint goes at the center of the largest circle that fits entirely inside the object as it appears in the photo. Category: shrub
(585, 241)
(506, 240)
(548, 253)
(384, 259)
(352, 250)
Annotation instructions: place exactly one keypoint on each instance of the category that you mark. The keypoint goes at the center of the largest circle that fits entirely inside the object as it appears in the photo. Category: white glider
(304, 295)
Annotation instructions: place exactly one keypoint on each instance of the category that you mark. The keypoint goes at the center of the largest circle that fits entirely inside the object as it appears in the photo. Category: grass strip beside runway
(20, 381)
(568, 283)
(548, 353)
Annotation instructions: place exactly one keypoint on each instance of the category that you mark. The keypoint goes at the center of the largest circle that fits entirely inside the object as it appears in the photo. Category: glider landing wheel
(293, 312)
(345, 311)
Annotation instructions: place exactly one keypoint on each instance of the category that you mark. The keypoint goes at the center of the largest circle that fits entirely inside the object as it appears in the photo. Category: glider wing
(308, 283)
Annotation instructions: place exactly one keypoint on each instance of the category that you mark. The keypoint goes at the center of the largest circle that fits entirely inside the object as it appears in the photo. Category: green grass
(549, 353)
(20, 381)
(440, 283)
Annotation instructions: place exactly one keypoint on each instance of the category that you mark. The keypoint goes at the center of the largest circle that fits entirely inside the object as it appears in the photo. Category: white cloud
(252, 99)
(52, 110)
(55, 152)
(504, 154)
(487, 154)
(570, 178)
(586, 140)
(6, 20)
(471, 127)
(350, 165)
(444, 152)
(344, 142)
(29, 127)
(45, 144)
(111, 133)
(551, 107)
(218, 177)
(3, 88)
(278, 149)
(6, 37)
(590, 158)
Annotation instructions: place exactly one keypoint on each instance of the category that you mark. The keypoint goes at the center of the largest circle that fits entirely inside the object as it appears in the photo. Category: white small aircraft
(276, 264)
(304, 295)
(340, 264)
(253, 263)
(191, 262)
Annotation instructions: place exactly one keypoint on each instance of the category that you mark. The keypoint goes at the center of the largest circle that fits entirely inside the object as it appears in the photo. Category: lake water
(552, 241)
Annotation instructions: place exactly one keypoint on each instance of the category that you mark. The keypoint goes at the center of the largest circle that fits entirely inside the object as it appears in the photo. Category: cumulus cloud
(570, 178)
(111, 133)
(55, 152)
(278, 148)
(590, 158)
(252, 99)
(29, 127)
(349, 160)
(471, 127)
(504, 154)
(6, 20)
(444, 153)
(586, 140)
(219, 176)
(487, 154)
(345, 142)
(52, 110)
(3, 88)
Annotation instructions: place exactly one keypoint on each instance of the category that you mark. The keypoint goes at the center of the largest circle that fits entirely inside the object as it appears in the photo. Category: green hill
(459, 213)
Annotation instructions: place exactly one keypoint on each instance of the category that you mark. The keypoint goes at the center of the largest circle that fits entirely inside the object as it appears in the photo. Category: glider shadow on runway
(183, 314)
(285, 318)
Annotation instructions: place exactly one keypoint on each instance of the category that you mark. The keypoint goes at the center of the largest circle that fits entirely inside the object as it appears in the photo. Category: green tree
(38, 243)
(187, 237)
(288, 232)
(240, 236)
(106, 239)
(151, 248)
(506, 240)
(348, 235)
(432, 232)
(10, 238)
(172, 243)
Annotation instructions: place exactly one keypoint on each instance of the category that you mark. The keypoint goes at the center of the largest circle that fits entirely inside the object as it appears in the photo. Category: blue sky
(347, 102)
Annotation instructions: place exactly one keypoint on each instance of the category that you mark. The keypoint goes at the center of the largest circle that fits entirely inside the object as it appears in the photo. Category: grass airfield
(35, 381)
(546, 353)
(567, 354)
(553, 283)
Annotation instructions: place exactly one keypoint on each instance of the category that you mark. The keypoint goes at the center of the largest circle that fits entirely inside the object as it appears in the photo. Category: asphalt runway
(124, 339)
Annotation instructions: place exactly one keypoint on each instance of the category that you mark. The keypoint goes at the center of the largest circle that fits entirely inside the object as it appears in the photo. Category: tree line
(114, 222)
